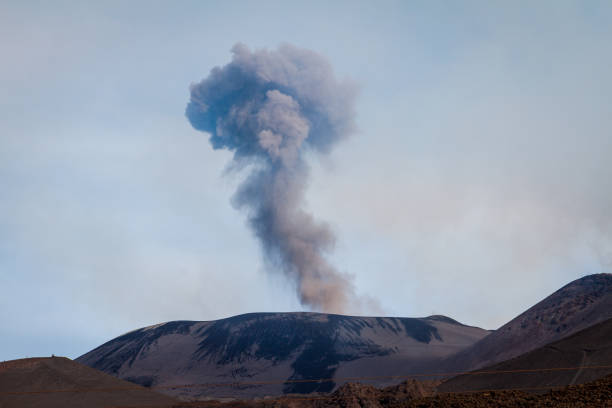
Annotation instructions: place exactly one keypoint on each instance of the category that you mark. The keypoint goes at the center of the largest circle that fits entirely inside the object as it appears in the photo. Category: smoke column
(269, 108)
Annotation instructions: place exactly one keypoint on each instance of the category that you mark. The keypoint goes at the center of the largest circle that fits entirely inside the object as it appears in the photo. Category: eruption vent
(269, 107)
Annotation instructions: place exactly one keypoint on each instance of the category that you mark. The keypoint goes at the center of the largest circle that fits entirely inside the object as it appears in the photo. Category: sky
(477, 181)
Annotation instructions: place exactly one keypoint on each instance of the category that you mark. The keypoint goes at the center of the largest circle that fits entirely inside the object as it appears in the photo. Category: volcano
(272, 353)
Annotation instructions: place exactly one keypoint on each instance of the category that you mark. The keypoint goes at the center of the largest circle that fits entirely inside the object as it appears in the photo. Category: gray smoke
(269, 108)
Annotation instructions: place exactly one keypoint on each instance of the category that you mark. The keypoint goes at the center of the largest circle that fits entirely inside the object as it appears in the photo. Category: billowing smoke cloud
(269, 108)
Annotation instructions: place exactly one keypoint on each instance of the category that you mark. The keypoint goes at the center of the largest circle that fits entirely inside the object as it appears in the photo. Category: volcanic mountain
(58, 382)
(576, 306)
(271, 353)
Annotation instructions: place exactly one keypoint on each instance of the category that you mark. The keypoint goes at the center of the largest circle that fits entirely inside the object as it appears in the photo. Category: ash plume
(269, 108)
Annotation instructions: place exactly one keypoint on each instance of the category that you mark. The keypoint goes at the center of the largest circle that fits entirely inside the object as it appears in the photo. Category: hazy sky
(479, 180)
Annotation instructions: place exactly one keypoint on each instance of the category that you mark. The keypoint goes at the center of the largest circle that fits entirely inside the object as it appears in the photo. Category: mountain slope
(591, 347)
(276, 348)
(68, 385)
(578, 305)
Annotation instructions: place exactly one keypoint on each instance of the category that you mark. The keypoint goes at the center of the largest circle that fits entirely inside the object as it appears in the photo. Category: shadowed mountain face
(578, 305)
(590, 349)
(282, 348)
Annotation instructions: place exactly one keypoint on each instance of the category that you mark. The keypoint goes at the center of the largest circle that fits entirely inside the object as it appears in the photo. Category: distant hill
(267, 349)
(591, 347)
(58, 382)
(578, 305)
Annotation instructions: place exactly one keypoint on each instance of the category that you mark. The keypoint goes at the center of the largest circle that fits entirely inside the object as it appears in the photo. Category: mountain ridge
(575, 306)
(581, 357)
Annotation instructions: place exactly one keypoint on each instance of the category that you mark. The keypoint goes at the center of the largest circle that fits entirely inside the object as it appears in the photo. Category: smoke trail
(269, 107)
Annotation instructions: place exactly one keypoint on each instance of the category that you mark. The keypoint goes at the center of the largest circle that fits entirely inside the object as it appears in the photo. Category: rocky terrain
(270, 353)
(578, 305)
(597, 394)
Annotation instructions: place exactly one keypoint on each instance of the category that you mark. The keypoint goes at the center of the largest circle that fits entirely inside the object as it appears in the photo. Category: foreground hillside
(590, 349)
(578, 305)
(58, 382)
(68, 384)
(263, 350)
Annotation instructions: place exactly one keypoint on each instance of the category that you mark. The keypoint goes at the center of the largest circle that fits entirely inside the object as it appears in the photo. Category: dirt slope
(73, 385)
